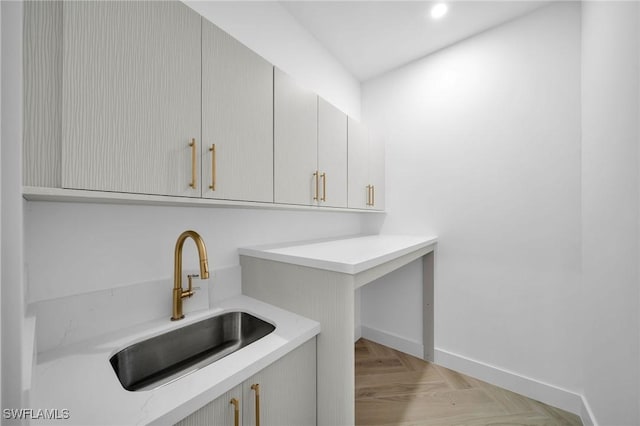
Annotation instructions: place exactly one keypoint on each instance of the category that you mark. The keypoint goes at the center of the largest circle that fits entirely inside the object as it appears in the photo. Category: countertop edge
(262, 252)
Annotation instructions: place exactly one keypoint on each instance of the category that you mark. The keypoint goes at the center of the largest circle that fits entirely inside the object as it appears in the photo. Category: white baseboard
(531, 388)
(588, 419)
(394, 341)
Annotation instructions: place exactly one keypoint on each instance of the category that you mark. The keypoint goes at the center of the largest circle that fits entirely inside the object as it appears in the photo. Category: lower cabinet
(283, 394)
(220, 411)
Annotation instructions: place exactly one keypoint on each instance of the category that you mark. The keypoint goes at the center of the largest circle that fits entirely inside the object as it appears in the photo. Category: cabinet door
(42, 59)
(377, 171)
(332, 155)
(358, 161)
(131, 97)
(287, 390)
(295, 141)
(237, 117)
(219, 412)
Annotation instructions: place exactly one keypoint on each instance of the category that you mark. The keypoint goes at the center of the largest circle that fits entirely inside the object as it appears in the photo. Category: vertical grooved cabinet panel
(377, 171)
(366, 168)
(332, 154)
(42, 50)
(326, 297)
(358, 160)
(295, 141)
(131, 96)
(237, 116)
(287, 390)
(287, 395)
(219, 412)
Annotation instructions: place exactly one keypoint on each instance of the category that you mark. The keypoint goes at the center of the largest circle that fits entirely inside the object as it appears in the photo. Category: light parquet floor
(393, 388)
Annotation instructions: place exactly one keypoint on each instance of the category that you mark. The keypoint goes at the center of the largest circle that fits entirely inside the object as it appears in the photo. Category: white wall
(80, 248)
(269, 29)
(1, 215)
(610, 209)
(483, 150)
(391, 309)
(13, 306)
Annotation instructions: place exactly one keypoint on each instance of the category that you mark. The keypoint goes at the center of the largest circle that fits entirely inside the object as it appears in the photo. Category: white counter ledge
(318, 280)
(347, 255)
(80, 379)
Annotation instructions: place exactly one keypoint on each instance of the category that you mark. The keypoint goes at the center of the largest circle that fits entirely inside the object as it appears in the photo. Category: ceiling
(372, 37)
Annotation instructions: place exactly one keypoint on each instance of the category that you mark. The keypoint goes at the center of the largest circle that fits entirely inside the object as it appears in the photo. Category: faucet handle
(192, 289)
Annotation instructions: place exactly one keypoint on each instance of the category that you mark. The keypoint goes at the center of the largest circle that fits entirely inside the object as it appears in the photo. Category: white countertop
(79, 378)
(348, 255)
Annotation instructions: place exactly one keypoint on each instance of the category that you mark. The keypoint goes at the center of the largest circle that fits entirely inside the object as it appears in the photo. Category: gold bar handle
(236, 411)
(324, 187)
(373, 195)
(193, 163)
(213, 167)
(368, 195)
(256, 387)
(315, 175)
(191, 290)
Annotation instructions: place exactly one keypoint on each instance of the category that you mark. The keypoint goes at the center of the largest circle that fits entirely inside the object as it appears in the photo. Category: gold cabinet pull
(324, 187)
(368, 195)
(193, 163)
(236, 411)
(256, 388)
(315, 175)
(373, 195)
(213, 167)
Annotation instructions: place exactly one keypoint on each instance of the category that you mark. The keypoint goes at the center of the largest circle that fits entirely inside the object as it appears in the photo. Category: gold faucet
(178, 292)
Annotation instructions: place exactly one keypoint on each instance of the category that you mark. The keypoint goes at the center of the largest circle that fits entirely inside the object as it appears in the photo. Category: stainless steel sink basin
(169, 356)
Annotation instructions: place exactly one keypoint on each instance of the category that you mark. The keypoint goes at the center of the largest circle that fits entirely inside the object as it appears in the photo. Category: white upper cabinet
(42, 67)
(295, 142)
(377, 172)
(332, 155)
(310, 147)
(237, 119)
(131, 97)
(148, 97)
(366, 168)
(358, 159)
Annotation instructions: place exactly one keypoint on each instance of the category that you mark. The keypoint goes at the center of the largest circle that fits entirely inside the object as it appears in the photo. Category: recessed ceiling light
(439, 10)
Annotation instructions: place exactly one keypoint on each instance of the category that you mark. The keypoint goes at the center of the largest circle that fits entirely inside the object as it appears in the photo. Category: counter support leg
(428, 309)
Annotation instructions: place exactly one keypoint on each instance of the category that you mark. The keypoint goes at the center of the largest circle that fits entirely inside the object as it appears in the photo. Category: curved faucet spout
(178, 292)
